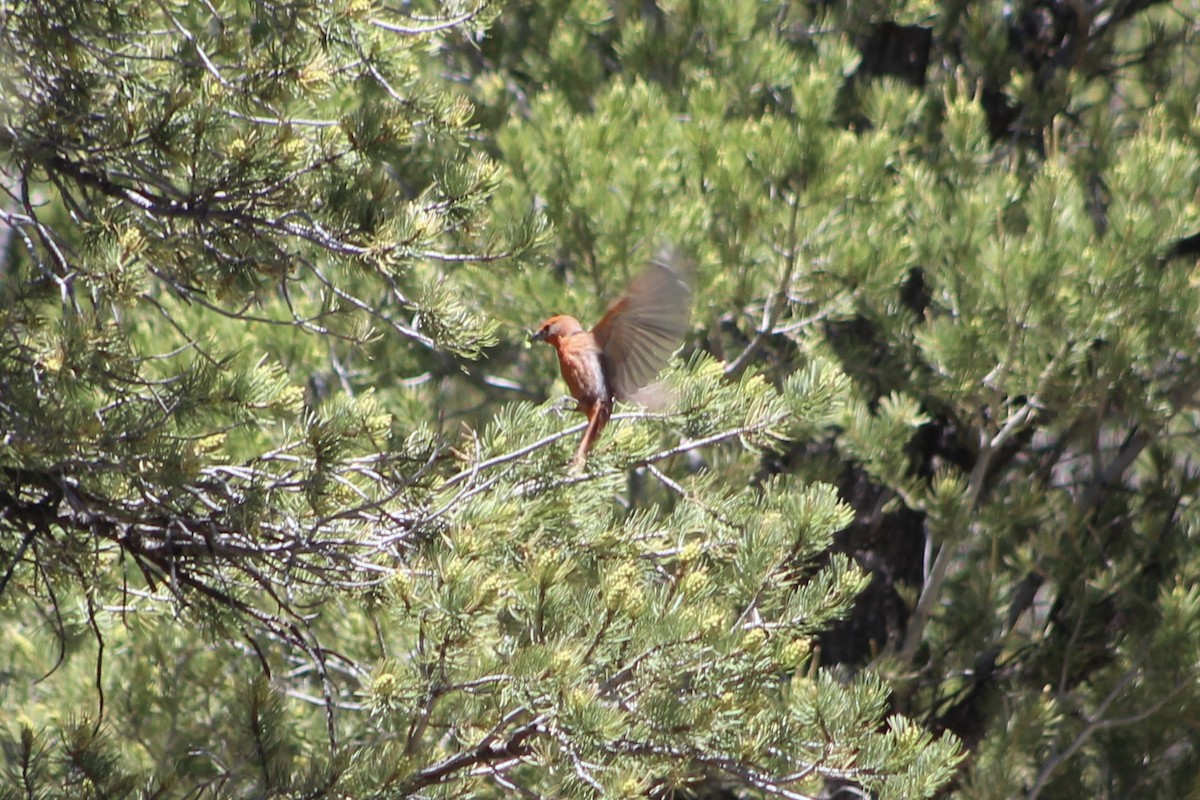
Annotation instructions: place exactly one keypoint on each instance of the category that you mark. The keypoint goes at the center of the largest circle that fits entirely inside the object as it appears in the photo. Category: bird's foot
(563, 405)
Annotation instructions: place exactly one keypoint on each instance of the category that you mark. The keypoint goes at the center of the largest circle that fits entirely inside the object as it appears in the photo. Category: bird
(628, 346)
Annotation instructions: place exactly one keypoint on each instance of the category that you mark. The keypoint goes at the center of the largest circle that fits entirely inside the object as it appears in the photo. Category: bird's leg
(597, 414)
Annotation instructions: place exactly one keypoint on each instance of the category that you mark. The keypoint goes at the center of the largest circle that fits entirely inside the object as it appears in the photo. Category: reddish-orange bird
(628, 346)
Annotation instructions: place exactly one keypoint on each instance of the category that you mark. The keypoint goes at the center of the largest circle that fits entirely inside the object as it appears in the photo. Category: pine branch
(1096, 722)
(435, 26)
(988, 447)
(485, 753)
(777, 301)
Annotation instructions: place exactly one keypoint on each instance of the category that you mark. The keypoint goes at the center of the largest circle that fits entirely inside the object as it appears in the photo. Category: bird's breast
(582, 366)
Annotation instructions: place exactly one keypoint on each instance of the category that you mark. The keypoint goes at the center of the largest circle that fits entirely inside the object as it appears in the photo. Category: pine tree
(984, 216)
(283, 500)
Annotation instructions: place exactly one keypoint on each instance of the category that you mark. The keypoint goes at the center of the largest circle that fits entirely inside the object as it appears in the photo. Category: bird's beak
(537, 336)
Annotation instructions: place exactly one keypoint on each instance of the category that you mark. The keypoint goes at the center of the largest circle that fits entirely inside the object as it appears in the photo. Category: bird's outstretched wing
(640, 330)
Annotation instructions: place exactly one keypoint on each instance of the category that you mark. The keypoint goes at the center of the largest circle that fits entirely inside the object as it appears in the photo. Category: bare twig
(433, 27)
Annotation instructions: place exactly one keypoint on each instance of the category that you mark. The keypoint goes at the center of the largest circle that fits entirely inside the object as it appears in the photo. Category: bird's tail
(598, 416)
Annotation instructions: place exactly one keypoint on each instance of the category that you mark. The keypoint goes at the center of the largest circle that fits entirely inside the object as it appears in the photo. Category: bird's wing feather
(640, 330)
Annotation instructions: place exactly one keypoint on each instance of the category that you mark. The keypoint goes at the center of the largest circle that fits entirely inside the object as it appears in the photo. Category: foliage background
(284, 507)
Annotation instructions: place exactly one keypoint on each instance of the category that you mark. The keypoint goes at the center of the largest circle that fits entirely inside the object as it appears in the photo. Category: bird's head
(556, 328)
